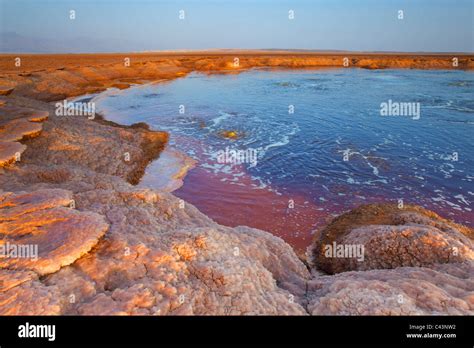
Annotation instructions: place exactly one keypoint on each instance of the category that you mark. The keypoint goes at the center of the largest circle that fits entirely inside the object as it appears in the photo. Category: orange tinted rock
(5, 90)
(9, 278)
(10, 151)
(444, 289)
(12, 206)
(49, 236)
(407, 245)
(19, 129)
(38, 116)
(390, 238)
(11, 112)
(23, 294)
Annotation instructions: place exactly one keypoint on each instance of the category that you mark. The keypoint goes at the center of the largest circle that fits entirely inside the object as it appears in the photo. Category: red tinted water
(235, 205)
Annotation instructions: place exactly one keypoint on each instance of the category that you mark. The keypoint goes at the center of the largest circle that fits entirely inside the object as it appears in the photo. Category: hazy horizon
(250, 50)
(46, 26)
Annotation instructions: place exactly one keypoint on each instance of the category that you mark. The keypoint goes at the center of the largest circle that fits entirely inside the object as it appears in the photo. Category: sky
(146, 25)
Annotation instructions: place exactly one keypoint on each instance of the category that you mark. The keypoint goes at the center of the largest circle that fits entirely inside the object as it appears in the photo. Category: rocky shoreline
(109, 246)
(50, 77)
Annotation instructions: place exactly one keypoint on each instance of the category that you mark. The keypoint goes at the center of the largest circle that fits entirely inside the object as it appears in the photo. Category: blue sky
(119, 25)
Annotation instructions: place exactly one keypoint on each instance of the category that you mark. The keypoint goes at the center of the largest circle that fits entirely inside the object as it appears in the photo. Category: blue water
(336, 112)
